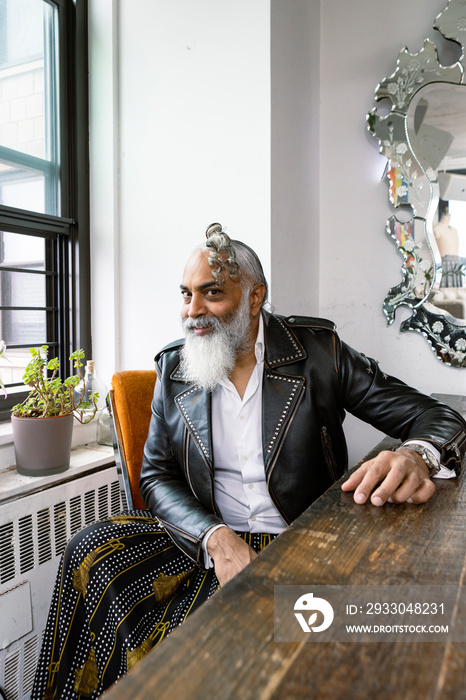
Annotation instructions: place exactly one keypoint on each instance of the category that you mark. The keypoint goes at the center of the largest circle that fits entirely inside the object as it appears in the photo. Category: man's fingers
(409, 486)
(396, 477)
(423, 493)
(355, 479)
(386, 484)
(229, 552)
(367, 478)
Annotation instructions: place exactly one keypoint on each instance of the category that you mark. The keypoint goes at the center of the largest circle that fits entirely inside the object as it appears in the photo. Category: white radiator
(33, 534)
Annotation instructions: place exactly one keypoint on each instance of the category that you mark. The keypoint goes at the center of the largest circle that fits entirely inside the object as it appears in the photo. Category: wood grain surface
(226, 650)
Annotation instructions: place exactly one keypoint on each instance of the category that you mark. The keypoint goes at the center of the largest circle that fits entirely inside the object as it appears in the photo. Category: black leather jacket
(310, 379)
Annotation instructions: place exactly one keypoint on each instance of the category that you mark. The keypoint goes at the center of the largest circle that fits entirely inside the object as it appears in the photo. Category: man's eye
(213, 292)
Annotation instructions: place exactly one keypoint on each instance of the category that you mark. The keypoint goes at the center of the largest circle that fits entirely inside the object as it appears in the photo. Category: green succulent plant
(50, 395)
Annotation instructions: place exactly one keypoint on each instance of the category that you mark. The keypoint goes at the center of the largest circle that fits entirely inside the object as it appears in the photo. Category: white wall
(251, 113)
(189, 90)
(295, 178)
(360, 42)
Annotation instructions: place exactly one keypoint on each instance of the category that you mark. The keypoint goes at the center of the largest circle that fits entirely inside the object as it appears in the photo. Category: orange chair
(130, 398)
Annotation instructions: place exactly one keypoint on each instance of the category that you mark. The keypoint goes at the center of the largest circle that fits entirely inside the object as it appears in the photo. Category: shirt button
(245, 458)
(253, 518)
(250, 486)
(241, 417)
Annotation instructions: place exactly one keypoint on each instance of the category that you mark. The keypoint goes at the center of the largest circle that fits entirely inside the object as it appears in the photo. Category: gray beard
(207, 360)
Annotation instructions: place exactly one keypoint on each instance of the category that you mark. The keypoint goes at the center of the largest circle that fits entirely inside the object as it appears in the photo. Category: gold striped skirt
(122, 586)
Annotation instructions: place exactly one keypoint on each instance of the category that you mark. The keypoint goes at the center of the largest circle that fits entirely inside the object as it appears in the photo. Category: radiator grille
(33, 533)
(59, 517)
(44, 541)
(26, 544)
(75, 514)
(31, 653)
(12, 677)
(7, 553)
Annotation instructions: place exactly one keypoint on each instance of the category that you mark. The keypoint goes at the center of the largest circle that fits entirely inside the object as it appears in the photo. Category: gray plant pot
(42, 445)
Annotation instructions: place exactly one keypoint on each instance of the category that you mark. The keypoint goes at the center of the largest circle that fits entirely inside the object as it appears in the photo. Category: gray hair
(234, 258)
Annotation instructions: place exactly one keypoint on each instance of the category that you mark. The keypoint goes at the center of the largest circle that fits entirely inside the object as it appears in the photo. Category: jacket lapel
(281, 397)
(195, 407)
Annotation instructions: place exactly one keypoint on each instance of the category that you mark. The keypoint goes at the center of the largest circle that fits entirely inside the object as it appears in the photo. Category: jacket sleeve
(397, 409)
(164, 487)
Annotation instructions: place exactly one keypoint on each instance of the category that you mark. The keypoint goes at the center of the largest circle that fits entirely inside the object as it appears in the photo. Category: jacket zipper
(186, 458)
(328, 453)
(454, 445)
(277, 452)
(187, 438)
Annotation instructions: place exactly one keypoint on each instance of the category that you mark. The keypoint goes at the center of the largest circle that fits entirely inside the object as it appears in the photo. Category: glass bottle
(90, 385)
(104, 434)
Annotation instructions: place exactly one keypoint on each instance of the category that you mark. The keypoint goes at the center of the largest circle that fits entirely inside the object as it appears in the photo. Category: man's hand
(398, 477)
(229, 552)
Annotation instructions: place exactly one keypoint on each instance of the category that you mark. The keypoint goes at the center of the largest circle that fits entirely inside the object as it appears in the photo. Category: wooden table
(226, 650)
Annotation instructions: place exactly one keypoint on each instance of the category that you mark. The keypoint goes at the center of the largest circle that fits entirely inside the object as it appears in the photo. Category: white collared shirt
(240, 489)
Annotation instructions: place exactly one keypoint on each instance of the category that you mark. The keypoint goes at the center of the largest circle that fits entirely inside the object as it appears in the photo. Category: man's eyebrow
(205, 285)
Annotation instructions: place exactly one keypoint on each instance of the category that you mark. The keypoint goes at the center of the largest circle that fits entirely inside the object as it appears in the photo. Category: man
(299, 383)
(246, 432)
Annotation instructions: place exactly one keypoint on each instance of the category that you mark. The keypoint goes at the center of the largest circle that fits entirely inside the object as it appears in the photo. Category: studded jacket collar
(310, 379)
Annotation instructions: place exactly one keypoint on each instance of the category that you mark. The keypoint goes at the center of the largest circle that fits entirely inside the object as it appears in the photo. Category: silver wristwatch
(433, 465)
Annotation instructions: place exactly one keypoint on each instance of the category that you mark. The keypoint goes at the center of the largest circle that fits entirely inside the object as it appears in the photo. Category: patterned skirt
(122, 586)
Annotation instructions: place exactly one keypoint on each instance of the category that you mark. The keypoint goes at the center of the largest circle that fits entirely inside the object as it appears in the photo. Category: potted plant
(43, 422)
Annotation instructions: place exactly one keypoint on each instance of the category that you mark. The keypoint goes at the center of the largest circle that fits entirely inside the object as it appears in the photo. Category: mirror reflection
(437, 135)
(423, 137)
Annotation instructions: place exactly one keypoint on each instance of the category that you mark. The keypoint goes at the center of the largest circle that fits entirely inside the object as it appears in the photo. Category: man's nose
(197, 306)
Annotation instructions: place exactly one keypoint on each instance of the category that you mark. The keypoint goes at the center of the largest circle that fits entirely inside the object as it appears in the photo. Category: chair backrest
(131, 397)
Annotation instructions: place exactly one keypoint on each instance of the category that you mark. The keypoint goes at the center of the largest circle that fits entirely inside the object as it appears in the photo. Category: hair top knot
(222, 256)
(212, 230)
(232, 258)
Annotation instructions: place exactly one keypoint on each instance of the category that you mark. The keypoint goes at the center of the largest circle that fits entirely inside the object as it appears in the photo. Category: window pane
(17, 187)
(23, 327)
(19, 250)
(12, 369)
(23, 40)
(23, 284)
(22, 289)
(43, 127)
(28, 104)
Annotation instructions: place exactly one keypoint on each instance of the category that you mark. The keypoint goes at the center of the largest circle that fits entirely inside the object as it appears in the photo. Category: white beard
(206, 360)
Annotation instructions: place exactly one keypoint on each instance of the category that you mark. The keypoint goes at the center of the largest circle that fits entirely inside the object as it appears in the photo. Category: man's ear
(256, 297)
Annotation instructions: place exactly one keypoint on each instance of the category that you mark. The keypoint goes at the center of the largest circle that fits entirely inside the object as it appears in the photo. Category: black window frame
(67, 236)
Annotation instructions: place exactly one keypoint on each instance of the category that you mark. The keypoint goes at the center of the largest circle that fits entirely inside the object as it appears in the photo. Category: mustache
(190, 324)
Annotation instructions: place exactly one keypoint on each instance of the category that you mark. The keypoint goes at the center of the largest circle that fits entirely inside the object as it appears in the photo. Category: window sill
(85, 459)
(86, 456)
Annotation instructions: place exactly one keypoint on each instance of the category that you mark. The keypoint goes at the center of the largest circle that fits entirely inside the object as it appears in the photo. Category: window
(44, 208)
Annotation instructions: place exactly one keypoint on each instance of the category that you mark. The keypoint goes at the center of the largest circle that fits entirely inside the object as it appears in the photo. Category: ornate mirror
(424, 139)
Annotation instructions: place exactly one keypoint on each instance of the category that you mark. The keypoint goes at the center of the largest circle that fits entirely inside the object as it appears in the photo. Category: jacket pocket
(328, 453)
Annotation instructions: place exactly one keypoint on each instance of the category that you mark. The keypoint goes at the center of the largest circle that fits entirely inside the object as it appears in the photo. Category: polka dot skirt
(122, 587)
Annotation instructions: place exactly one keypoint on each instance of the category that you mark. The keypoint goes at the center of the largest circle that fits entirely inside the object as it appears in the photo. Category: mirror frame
(413, 187)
